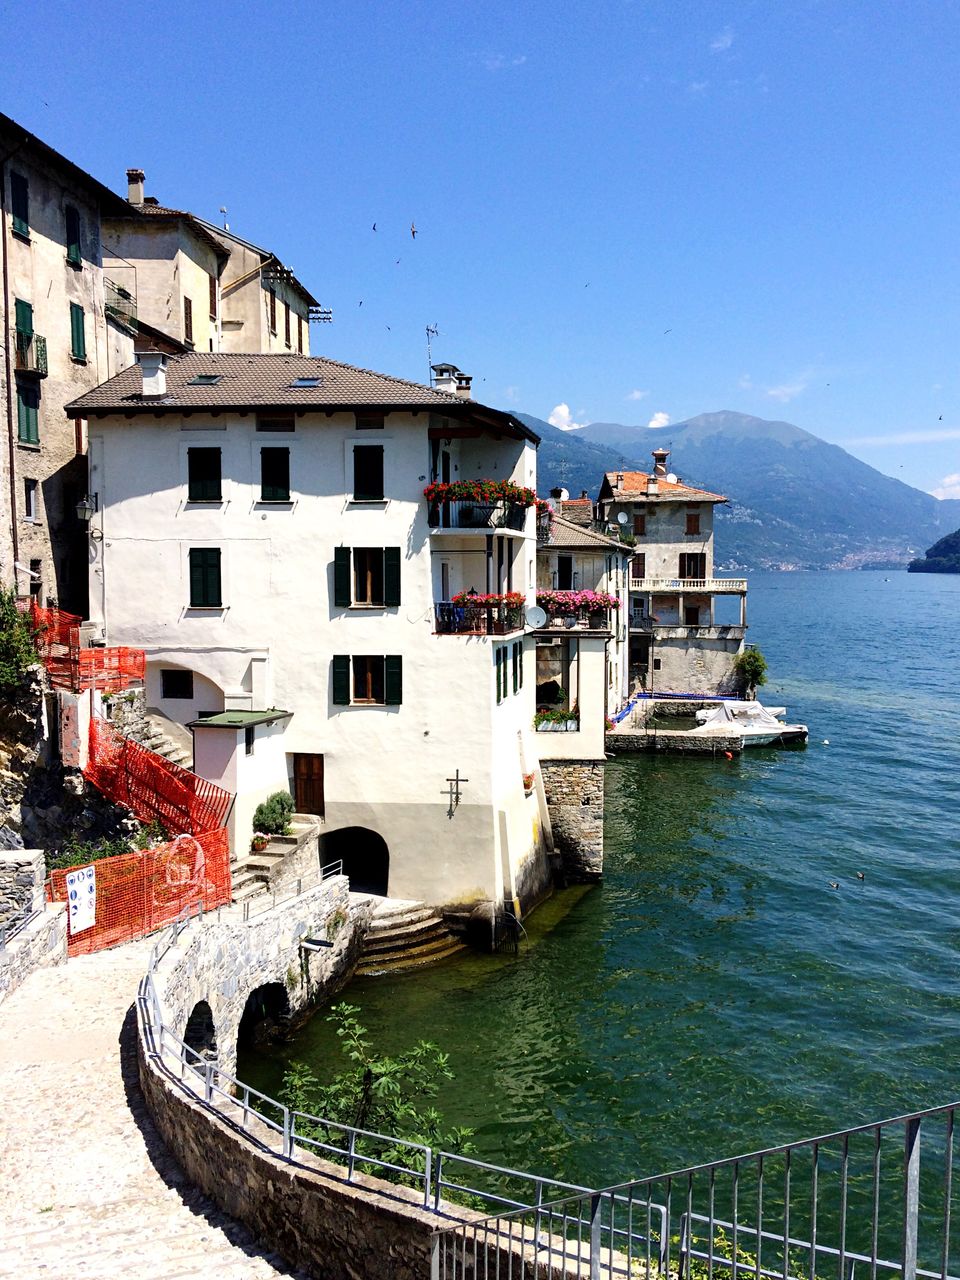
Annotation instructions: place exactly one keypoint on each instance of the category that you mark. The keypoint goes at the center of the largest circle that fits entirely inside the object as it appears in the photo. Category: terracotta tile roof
(149, 210)
(634, 489)
(564, 533)
(577, 510)
(264, 382)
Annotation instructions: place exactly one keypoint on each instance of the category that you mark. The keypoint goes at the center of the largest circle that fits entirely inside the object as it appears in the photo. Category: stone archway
(266, 1014)
(365, 858)
(200, 1034)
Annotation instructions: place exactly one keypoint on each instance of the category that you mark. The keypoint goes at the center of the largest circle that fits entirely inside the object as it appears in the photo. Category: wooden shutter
(341, 578)
(74, 254)
(205, 590)
(203, 475)
(286, 323)
(27, 403)
(187, 320)
(274, 475)
(213, 297)
(78, 341)
(20, 203)
(393, 679)
(391, 575)
(24, 312)
(341, 680)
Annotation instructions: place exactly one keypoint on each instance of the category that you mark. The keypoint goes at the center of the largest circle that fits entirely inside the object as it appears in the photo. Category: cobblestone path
(87, 1189)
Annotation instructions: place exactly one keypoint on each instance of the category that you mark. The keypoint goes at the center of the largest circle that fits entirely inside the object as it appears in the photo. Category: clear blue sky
(631, 209)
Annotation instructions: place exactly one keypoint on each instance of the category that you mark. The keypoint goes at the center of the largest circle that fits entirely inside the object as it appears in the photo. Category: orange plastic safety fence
(151, 786)
(72, 667)
(137, 893)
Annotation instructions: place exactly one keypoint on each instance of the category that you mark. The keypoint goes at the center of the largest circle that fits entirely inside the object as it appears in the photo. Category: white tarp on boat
(742, 715)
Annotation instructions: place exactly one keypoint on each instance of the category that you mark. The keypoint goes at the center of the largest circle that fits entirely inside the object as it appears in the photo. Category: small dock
(682, 741)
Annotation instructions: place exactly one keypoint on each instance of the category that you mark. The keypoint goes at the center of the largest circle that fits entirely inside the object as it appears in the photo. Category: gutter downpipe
(8, 369)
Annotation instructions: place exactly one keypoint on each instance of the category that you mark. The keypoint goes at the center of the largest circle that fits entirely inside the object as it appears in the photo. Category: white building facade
(317, 623)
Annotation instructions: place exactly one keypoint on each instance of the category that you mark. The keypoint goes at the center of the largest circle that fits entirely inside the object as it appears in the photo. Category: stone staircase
(250, 872)
(405, 935)
(153, 738)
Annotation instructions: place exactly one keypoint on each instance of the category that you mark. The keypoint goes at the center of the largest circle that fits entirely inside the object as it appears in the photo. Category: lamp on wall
(87, 507)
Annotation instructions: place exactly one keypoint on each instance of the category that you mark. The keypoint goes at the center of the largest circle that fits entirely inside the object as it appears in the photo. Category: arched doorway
(265, 1015)
(200, 1034)
(365, 858)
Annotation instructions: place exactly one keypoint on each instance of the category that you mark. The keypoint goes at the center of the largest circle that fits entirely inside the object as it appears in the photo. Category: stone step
(404, 915)
(261, 861)
(409, 960)
(402, 924)
(251, 890)
(398, 939)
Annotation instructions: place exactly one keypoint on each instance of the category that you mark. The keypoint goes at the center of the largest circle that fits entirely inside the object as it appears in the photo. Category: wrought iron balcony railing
(477, 619)
(119, 303)
(31, 354)
(463, 514)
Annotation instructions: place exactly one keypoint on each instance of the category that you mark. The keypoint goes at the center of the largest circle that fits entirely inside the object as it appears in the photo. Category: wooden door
(308, 783)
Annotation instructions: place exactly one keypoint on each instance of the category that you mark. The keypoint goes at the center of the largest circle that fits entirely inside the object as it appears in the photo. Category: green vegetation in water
(751, 669)
(388, 1095)
(272, 817)
(17, 651)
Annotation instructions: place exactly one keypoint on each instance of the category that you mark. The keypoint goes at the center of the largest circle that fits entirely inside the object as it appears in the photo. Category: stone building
(682, 639)
(315, 621)
(203, 284)
(61, 337)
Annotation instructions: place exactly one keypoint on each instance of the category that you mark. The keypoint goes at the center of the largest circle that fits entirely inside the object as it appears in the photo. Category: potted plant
(528, 780)
(259, 842)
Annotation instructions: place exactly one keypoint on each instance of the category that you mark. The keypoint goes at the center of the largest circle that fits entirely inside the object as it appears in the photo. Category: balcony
(478, 505)
(486, 616)
(577, 610)
(713, 586)
(119, 304)
(30, 355)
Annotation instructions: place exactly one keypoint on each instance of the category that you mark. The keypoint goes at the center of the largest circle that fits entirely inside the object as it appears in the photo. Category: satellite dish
(672, 477)
(535, 616)
(623, 518)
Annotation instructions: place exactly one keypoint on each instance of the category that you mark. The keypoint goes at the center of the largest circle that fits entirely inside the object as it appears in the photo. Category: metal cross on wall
(453, 791)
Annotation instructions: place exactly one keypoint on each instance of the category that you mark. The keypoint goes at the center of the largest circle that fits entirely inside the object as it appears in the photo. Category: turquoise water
(714, 994)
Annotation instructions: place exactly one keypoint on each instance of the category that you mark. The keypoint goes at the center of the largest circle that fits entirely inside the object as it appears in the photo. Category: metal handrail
(13, 924)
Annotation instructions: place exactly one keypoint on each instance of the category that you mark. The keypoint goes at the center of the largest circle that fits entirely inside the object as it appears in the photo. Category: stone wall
(41, 942)
(22, 873)
(222, 962)
(574, 791)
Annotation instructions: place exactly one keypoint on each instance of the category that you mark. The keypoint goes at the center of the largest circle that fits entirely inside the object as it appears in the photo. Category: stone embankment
(91, 1191)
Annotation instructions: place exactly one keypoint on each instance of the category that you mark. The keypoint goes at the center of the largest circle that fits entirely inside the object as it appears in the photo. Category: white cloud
(638, 395)
(745, 382)
(503, 61)
(562, 418)
(787, 391)
(660, 419)
(722, 42)
(698, 86)
(949, 486)
(910, 437)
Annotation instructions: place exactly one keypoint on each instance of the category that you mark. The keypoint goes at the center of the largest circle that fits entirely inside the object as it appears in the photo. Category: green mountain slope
(795, 500)
(942, 557)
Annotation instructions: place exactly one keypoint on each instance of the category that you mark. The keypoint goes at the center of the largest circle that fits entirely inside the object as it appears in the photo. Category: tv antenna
(433, 331)
(226, 224)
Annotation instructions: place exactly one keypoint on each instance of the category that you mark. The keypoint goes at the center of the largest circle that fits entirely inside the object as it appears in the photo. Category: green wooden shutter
(205, 588)
(74, 255)
(24, 313)
(520, 652)
(78, 340)
(20, 203)
(341, 680)
(391, 575)
(27, 425)
(341, 578)
(516, 668)
(498, 657)
(393, 679)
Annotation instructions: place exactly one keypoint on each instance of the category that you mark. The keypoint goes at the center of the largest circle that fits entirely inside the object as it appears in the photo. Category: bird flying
(413, 230)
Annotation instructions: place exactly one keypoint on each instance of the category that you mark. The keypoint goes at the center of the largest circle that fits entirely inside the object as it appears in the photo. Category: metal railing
(11, 925)
(858, 1202)
(119, 303)
(464, 514)
(476, 619)
(689, 584)
(30, 354)
(257, 905)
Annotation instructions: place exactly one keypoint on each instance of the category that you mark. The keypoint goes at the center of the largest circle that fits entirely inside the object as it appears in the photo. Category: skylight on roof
(307, 382)
(205, 380)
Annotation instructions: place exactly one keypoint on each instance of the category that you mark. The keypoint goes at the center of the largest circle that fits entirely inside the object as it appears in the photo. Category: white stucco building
(681, 639)
(315, 622)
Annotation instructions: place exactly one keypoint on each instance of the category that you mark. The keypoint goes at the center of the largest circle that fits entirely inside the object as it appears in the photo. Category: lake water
(714, 994)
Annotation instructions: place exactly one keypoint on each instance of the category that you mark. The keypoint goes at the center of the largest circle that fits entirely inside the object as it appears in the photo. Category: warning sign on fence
(82, 899)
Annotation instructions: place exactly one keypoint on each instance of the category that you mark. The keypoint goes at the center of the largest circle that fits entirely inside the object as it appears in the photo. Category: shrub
(273, 816)
(77, 853)
(751, 669)
(16, 644)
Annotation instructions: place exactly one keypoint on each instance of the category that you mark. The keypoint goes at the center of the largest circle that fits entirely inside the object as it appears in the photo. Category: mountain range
(795, 501)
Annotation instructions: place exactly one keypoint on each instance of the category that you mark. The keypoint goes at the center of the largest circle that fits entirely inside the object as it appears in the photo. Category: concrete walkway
(88, 1189)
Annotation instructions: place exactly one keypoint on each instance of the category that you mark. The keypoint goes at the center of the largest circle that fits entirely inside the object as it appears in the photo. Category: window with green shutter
(205, 589)
(274, 475)
(391, 576)
(393, 679)
(28, 405)
(24, 314)
(20, 203)
(74, 251)
(341, 577)
(78, 338)
(340, 668)
(203, 475)
(368, 473)
(498, 659)
(516, 668)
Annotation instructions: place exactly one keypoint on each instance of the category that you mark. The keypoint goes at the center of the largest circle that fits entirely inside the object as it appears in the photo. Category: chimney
(652, 487)
(135, 181)
(445, 378)
(619, 479)
(583, 494)
(463, 385)
(557, 493)
(153, 366)
(660, 457)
